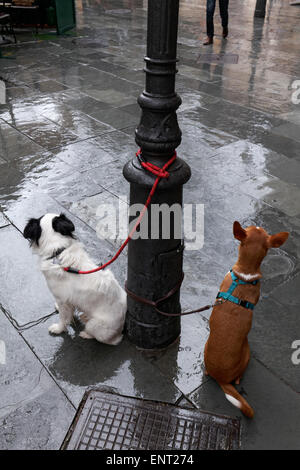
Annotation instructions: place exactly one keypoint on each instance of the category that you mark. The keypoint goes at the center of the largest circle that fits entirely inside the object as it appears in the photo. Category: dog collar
(56, 253)
(228, 294)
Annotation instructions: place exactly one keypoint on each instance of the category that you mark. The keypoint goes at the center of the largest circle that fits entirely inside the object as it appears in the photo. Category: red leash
(159, 173)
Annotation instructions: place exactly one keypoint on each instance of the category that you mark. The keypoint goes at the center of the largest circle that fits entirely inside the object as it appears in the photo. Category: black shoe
(209, 40)
(225, 32)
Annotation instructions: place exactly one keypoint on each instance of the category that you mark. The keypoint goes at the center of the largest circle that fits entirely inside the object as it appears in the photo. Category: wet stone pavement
(65, 133)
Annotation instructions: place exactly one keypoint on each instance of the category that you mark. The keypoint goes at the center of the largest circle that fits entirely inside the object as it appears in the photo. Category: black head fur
(33, 231)
(63, 225)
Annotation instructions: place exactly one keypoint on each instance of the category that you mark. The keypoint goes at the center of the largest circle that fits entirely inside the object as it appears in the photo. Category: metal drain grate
(114, 422)
(218, 58)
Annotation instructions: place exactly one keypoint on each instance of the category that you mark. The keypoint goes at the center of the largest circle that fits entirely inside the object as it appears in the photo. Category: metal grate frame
(114, 422)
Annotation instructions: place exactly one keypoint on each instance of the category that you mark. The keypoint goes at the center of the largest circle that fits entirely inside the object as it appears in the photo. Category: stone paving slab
(278, 315)
(15, 144)
(23, 282)
(84, 155)
(100, 212)
(37, 204)
(275, 192)
(116, 117)
(111, 96)
(3, 221)
(182, 363)
(293, 116)
(269, 218)
(77, 97)
(108, 175)
(78, 364)
(280, 144)
(80, 124)
(11, 184)
(275, 425)
(191, 126)
(118, 145)
(246, 158)
(34, 412)
(47, 134)
(193, 72)
(201, 289)
(47, 173)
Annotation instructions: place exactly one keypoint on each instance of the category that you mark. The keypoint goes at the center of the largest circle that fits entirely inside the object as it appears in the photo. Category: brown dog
(227, 350)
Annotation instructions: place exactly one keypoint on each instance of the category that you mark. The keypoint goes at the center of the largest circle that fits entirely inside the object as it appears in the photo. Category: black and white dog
(97, 295)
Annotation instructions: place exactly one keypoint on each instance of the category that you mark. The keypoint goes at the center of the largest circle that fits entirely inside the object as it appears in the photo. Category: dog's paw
(56, 328)
(85, 335)
(116, 340)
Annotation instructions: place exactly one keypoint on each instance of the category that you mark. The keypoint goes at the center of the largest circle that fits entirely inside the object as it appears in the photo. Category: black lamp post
(155, 265)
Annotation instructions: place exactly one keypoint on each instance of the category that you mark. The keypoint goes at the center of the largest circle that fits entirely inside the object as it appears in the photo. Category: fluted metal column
(155, 265)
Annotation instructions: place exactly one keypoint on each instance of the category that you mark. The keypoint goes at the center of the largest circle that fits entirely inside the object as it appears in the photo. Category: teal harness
(228, 294)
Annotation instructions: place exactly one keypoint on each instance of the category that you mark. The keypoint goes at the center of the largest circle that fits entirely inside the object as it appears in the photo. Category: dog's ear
(63, 225)
(238, 231)
(33, 231)
(275, 241)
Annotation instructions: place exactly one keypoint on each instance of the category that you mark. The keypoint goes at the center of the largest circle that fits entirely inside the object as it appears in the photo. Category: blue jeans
(210, 10)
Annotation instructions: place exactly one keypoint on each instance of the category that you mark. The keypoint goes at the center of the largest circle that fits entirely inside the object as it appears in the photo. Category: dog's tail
(237, 400)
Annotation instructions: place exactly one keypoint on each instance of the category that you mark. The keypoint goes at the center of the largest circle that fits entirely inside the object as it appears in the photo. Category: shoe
(225, 32)
(208, 41)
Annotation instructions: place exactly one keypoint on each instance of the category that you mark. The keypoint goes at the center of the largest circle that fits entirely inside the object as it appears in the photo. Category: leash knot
(154, 169)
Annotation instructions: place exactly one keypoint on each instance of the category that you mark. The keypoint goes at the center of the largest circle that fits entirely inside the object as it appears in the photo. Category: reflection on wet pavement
(67, 130)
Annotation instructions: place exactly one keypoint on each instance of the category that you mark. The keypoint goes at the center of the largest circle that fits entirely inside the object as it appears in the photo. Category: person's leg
(224, 16)
(210, 10)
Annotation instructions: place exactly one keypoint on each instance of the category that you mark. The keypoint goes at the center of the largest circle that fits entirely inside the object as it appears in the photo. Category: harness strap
(228, 294)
